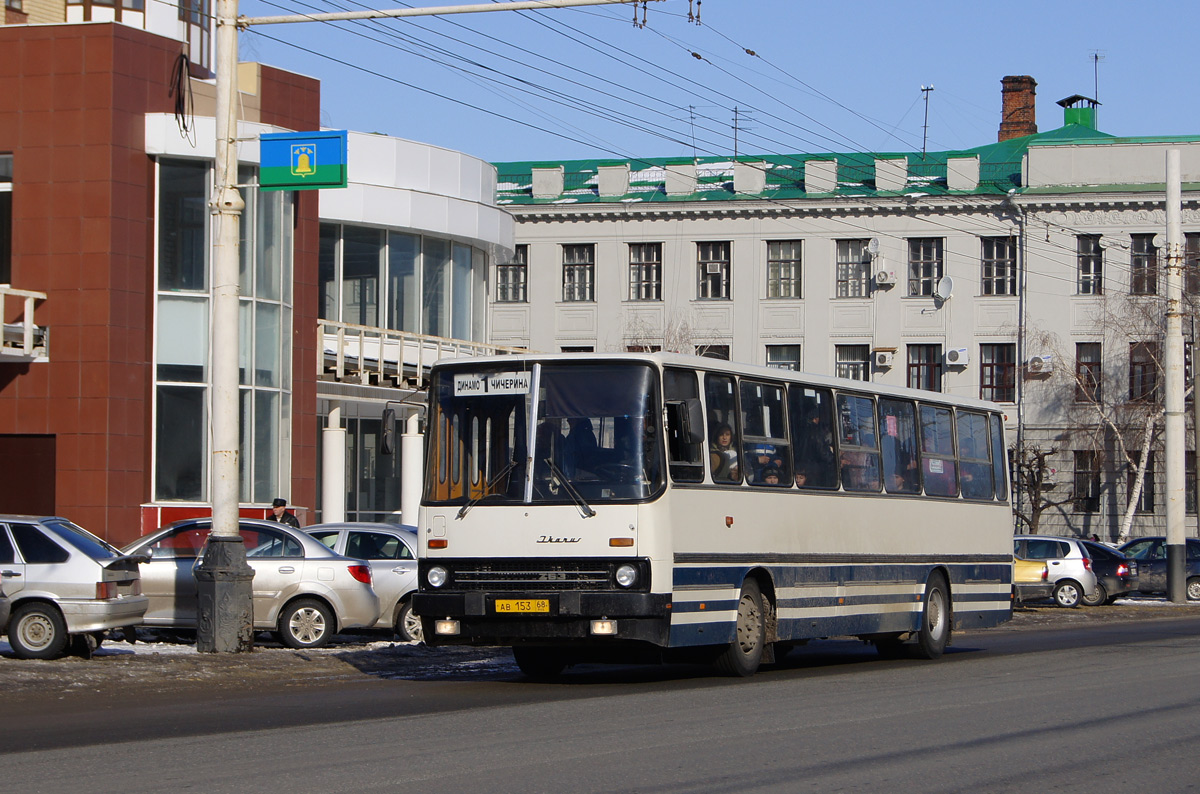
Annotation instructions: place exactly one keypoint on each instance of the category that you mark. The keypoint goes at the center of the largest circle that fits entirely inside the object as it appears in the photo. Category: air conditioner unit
(1039, 364)
(713, 268)
(957, 357)
(884, 358)
(885, 278)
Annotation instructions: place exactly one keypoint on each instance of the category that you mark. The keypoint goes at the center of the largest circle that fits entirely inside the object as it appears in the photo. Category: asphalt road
(1043, 706)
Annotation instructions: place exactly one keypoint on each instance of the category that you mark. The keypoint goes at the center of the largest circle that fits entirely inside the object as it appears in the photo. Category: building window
(783, 269)
(853, 269)
(998, 373)
(577, 349)
(15, 5)
(1086, 496)
(512, 277)
(1088, 372)
(1189, 483)
(713, 265)
(579, 273)
(999, 266)
(1145, 502)
(924, 265)
(1143, 371)
(645, 271)
(784, 357)
(925, 367)
(1191, 263)
(1143, 265)
(1090, 258)
(713, 351)
(6, 163)
(853, 361)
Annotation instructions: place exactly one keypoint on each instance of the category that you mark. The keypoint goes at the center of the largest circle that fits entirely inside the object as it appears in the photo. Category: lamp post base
(225, 608)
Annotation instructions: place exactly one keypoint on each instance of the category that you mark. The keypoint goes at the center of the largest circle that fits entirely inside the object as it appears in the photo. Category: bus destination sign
(491, 384)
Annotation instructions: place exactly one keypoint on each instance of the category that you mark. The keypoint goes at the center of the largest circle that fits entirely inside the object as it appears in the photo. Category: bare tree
(1035, 479)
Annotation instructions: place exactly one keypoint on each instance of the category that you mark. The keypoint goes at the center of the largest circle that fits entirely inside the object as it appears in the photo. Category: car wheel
(408, 624)
(306, 623)
(744, 654)
(540, 664)
(1193, 588)
(1067, 593)
(936, 617)
(1096, 598)
(37, 631)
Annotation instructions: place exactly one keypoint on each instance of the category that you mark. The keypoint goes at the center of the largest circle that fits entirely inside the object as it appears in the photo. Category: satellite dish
(873, 247)
(945, 288)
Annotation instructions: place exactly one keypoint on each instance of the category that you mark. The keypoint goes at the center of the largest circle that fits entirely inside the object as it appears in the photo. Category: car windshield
(595, 436)
(81, 539)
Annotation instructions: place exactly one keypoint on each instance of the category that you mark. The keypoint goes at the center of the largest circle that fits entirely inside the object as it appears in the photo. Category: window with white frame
(1143, 265)
(998, 274)
(713, 266)
(645, 271)
(1191, 263)
(853, 269)
(998, 372)
(579, 273)
(853, 361)
(1090, 263)
(784, 269)
(784, 357)
(925, 264)
(511, 277)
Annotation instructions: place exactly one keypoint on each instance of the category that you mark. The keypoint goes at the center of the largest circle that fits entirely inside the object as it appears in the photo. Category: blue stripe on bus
(796, 575)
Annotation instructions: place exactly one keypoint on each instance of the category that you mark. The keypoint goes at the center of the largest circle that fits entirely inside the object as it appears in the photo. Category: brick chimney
(1018, 116)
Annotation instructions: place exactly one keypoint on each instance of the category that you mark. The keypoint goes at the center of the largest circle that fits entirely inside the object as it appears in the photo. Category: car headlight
(627, 575)
(436, 576)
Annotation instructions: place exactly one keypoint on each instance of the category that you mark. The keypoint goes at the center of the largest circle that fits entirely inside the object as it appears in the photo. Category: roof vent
(1079, 109)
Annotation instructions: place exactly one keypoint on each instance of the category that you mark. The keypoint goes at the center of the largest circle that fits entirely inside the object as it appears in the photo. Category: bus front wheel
(934, 634)
(744, 654)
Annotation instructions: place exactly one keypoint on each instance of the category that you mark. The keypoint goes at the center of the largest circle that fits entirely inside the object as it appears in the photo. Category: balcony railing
(24, 340)
(379, 356)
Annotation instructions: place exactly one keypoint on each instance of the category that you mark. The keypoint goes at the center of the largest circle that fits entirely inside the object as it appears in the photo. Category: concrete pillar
(333, 467)
(412, 467)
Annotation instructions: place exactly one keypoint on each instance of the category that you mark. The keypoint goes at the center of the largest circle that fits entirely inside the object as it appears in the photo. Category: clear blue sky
(586, 83)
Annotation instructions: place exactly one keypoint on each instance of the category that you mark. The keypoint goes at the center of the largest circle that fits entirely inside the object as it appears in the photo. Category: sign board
(302, 160)
(491, 384)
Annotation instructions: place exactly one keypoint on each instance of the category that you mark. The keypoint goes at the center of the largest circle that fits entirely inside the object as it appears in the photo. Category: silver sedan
(301, 588)
(62, 580)
(391, 550)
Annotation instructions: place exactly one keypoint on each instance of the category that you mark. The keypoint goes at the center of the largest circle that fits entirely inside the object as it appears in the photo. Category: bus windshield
(593, 429)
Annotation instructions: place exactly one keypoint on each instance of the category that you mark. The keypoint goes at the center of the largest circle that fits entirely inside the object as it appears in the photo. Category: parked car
(1031, 581)
(1116, 574)
(391, 550)
(1151, 556)
(301, 588)
(1068, 563)
(61, 581)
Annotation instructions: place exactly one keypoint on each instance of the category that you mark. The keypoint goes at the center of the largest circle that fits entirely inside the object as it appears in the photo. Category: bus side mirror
(387, 433)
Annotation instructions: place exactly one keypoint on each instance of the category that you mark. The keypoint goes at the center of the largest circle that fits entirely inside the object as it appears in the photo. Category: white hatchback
(1068, 563)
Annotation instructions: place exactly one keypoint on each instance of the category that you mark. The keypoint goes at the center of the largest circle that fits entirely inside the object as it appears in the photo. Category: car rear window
(35, 547)
(83, 540)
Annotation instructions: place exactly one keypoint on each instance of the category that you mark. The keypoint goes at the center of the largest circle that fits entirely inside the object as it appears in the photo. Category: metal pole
(225, 612)
(1175, 433)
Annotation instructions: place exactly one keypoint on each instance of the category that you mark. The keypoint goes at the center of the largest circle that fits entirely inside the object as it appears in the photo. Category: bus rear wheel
(936, 618)
(744, 654)
(540, 664)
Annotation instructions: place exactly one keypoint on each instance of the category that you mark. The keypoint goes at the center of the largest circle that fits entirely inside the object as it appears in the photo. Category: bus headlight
(627, 575)
(436, 576)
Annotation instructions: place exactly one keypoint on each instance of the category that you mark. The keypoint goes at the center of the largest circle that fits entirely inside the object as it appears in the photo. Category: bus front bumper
(483, 618)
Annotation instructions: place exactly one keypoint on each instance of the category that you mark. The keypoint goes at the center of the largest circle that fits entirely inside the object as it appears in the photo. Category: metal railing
(24, 340)
(380, 356)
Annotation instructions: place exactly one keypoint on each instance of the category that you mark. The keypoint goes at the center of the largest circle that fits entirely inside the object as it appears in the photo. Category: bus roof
(660, 360)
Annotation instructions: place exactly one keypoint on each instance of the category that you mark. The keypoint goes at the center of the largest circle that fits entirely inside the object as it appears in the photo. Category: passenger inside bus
(722, 455)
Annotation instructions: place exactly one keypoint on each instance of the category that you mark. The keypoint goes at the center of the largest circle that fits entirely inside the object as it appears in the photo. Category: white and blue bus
(633, 506)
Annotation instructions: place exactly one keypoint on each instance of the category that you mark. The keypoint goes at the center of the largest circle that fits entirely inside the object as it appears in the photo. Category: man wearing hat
(279, 513)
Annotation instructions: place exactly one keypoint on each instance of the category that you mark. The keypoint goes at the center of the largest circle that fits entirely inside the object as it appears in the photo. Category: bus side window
(938, 467)
(811, 420)
(724, 433)
(999, 458)
(682, 396)
(768, 457)
(858, 443)
(974, 463)
(898, 442)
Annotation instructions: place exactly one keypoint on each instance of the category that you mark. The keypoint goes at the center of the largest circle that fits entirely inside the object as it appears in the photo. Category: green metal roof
(999, 172)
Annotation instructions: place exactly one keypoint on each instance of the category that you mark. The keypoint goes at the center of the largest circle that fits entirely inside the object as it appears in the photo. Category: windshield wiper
(580, 502)
(487, 490)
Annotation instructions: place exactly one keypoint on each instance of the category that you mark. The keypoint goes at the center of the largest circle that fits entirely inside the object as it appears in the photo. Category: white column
(333, 467)
(412, 467)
